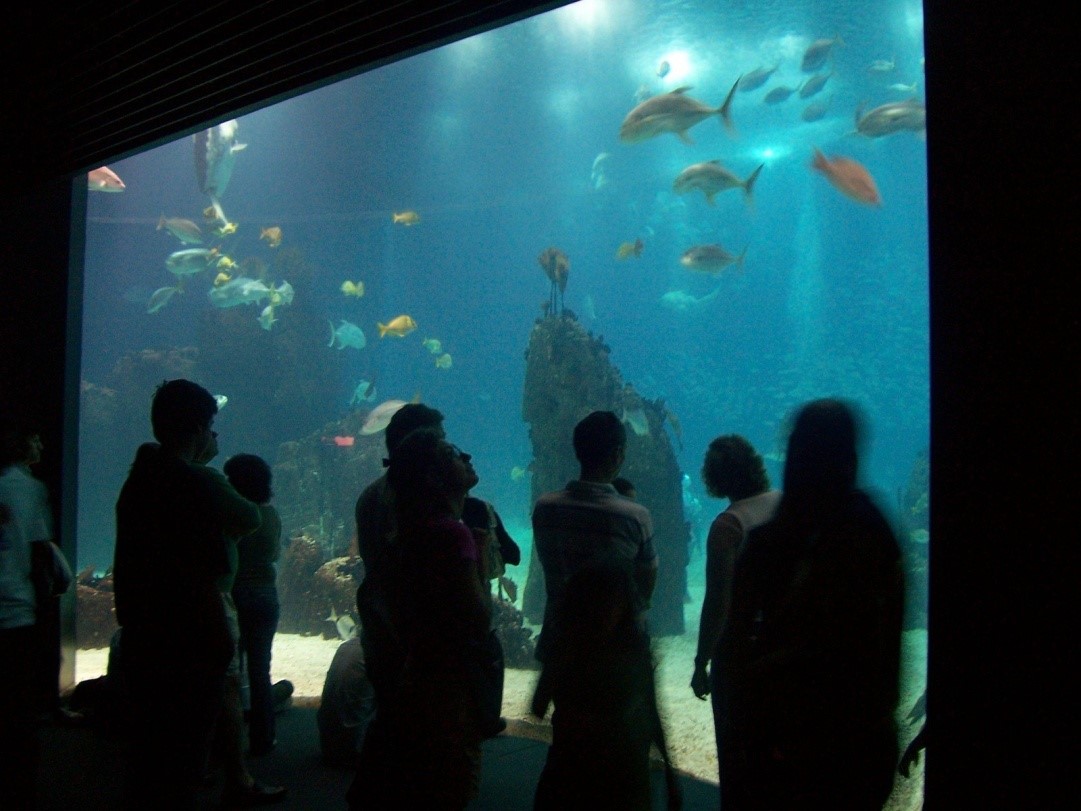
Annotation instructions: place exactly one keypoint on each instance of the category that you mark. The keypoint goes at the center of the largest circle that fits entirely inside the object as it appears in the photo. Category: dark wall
(1004, 326)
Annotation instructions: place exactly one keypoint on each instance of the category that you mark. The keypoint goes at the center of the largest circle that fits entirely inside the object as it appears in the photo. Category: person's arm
(239, 516)
(724, 538)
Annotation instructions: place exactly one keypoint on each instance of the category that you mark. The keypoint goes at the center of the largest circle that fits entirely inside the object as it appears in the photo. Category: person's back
(812, 650)
(589, 519)
(169, 556)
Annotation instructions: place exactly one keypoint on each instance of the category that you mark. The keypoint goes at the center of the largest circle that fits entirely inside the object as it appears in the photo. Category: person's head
(20, 443)
(822, 456)
(409, 418)
(250, 475)
(426, 472)
(599, 443)
(733, 469)
(625, 487)
(182, 414)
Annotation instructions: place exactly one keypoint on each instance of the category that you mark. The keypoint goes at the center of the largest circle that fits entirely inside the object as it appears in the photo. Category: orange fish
(273, 236)
(849, 177)
(340, 441)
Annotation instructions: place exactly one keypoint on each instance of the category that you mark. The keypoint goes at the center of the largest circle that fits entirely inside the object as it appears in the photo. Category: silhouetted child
(625, 487)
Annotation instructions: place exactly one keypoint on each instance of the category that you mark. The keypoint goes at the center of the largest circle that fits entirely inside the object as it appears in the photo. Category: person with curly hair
(734, 470)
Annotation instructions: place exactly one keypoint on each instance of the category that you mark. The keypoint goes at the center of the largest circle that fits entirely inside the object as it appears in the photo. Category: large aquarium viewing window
(699, 215)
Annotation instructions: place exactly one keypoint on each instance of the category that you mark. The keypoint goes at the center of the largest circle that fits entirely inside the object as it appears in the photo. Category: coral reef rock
(95, 615)
(568, 375)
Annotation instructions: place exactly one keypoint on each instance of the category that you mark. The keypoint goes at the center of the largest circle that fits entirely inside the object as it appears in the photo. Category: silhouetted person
(255, 593)
(625, 487)
(376, 607)
(589, 520)
(599, 674)
(444, 623)
(345, 706)
(170, 556)
(25, 532)
(811, 653)
(732, 469)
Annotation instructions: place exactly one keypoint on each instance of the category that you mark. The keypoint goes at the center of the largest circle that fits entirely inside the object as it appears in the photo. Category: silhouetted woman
(444, 614)
(811, 652)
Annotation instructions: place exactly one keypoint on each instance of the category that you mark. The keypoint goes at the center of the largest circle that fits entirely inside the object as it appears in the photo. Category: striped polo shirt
(580, 523)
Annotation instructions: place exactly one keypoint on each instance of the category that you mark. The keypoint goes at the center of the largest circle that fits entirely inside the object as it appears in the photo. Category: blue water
(493, 141)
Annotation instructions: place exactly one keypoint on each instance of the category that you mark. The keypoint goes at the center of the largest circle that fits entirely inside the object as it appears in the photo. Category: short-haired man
(171, 526)
(589, 519)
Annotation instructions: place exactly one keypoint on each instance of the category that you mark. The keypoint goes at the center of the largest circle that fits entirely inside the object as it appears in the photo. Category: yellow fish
(226, 229)
(398, 327)
(353, 288)
(222, 278)
(273, 236)
(629, 249)
(517, 473)
(444, 361)
(406, 217)
(227, 263)
(433, 345)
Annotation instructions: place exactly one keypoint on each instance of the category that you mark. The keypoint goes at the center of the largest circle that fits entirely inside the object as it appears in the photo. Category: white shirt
(30, 521)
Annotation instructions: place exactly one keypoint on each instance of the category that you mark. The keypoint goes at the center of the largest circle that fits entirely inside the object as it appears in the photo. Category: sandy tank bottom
(304, 660)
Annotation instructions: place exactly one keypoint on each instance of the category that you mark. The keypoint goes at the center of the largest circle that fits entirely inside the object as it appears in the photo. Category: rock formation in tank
(568, 375)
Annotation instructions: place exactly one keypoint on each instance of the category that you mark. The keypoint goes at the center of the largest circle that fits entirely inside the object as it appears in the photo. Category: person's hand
(700, 680)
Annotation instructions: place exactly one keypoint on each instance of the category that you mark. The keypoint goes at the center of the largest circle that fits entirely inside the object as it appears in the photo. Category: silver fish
(817, 53)
(674, 112)
(240, 290)
(778, 94)
(710, 259)
(216, 149)
(347, 334)
(160, 298)
(190, 261)
(756, 78)
(887, 119)
(711, 178)
(813, 85)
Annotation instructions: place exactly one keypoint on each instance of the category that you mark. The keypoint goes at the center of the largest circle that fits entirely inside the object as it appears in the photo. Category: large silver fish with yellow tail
(674, 112)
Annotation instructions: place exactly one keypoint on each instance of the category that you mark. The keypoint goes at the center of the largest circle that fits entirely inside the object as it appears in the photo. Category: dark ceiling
(96, 81)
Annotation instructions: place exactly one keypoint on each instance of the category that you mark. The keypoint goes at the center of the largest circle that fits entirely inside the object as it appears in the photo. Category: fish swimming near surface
(104, 179)
(185, 230)
(848, 177)
(711, 178)
(190, 261)
(266, 318)
(272, 235)
(241, 290)
(683, 302)
(216, 149)
(353, 288)
(778, 94)
(816, 110)
(405, 218)
(817, 53)
(756, 78)
(380, 416)
(344, 624)
(444, 361)
(710, 259)
(433, 345)
(674, 112)
(363, 393)
(160, 297)
(814, 85)
(347, 334)
(887, 119)
(399, 327)
(662, 68)
(628, 249)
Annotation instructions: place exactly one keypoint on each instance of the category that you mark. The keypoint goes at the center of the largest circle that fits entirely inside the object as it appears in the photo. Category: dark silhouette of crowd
(798, 648)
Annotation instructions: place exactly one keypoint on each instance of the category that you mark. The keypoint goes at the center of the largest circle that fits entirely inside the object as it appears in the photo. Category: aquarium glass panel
(697, 214)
